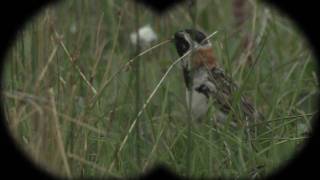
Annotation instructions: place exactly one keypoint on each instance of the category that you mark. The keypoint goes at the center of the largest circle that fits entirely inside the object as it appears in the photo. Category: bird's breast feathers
(203, 57)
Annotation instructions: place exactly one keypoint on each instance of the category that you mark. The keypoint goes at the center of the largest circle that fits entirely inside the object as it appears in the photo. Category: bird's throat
(203, 57)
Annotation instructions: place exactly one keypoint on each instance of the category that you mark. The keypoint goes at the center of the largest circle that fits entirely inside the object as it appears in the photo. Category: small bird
(206, 80)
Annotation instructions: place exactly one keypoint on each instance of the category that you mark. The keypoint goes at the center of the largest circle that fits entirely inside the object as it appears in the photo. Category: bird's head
(187, 39)
(195, 40)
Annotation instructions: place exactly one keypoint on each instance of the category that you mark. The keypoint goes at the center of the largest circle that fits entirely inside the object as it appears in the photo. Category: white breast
(199, 102)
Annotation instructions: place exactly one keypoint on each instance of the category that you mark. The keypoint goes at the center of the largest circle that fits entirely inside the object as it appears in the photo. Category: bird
(206, 81)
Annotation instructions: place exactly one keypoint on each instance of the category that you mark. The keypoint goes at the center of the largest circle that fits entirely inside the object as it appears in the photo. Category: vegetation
(74, 110)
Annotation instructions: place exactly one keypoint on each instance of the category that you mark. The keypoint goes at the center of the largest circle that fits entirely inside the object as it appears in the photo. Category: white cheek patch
(187, 38)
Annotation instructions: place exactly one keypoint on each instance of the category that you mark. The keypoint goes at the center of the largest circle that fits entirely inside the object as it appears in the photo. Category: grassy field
(74, 111)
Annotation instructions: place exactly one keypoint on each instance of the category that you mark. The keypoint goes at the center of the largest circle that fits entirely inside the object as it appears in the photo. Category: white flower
(146, 36)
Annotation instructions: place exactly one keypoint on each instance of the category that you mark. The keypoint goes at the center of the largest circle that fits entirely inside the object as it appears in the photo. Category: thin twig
(153, 149)
(93, 165)
(288, 139)
(81, 124)
(282, 118)
(117, 32)
(59, 136)
(44, 70)
(75, 65)
(145, 105)
(123, 67)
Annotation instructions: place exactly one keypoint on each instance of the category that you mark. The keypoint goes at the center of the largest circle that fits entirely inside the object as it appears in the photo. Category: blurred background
(76, 108)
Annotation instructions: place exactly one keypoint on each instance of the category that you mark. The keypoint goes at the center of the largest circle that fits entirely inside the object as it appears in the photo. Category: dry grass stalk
(122, 68)
(58, 133)
(72, 60)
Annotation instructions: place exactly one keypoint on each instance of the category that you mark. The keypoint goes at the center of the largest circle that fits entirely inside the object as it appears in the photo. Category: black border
(13, 16)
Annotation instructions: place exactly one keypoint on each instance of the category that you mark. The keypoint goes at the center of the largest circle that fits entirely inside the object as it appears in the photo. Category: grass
(82, 101)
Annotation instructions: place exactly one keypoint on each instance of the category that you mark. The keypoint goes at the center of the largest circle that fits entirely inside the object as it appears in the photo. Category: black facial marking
(181, 44)
(187, 78)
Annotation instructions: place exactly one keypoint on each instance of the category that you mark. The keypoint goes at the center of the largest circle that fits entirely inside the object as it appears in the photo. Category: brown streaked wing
(225, 92)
